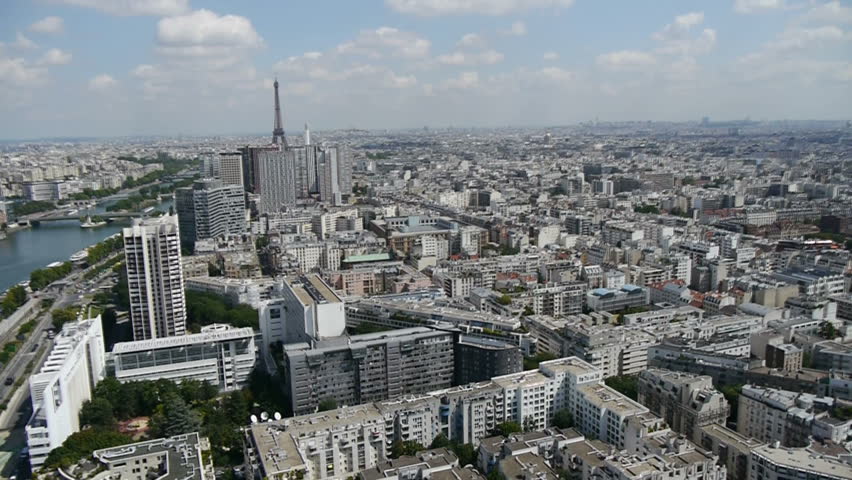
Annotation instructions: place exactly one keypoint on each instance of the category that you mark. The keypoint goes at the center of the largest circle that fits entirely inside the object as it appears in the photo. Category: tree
(507, 428)
(175, 417)
(465, 453)
(626, 384)
(406, 448)
(327, 403)
(528, 310)
(732, 395)
(495, 474)
(97, 413)
(62, 316)
(531, 363)
(563, 418)
(81, 444)
(440, 441)
(504, 300)
(14, 298)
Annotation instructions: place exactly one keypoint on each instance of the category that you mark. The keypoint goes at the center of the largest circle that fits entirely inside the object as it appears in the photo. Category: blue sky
(124, 67)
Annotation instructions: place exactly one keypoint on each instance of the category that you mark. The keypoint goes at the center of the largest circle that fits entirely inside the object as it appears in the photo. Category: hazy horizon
(117, 68)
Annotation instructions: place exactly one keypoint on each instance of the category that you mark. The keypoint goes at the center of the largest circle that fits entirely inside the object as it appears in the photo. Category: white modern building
(303, 309)
(66, 381)
(222, 355)
(155, 277)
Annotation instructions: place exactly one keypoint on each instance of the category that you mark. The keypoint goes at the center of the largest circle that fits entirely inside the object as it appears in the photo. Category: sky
(190, 67)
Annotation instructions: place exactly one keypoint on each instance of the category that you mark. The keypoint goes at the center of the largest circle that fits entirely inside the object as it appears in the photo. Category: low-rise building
(183, 456)
(222, 355)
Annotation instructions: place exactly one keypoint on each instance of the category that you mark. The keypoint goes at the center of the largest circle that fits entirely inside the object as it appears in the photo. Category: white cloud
(471, 40)
(385, 41)
(205, 33)
(312, 55)
(102, 82)
(19, 72)
(126, 8)
(393, 80)
(55, 56)
(625, 60)
(488, 57)
(676, 38)
(22, 42)
(828, 13)
(48, 25)
(465, 80)
(800, 38)
(556, 74)
(550, 56)
(754, 6)
(432, 8)
(518, 29)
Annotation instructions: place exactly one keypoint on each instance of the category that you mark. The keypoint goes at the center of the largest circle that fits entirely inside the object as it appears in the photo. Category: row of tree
(102, 250)
(36, 206)
(206, 308)
(45, 276)
(14, 298)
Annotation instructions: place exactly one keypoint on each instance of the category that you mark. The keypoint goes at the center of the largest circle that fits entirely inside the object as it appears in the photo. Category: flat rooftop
(184, 340)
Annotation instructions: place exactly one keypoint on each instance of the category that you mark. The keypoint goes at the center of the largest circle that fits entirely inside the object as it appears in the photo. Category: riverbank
(40, 245)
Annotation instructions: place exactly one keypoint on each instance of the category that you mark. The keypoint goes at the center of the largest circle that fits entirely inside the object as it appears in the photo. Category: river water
(32, 248)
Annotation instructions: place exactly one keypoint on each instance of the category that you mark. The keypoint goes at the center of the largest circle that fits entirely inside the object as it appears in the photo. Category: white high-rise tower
(155, 278)
(307, 134)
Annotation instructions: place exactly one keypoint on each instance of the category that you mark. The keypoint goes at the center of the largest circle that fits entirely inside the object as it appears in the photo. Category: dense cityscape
(602, 300)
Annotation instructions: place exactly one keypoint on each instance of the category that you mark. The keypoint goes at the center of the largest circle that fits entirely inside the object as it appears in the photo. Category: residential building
(685, 401)
(480, 358)
(275, 180)
(210, 209)
(66, 381)
(606, 300)
(155, 277)
(367, 368)
(184, 456)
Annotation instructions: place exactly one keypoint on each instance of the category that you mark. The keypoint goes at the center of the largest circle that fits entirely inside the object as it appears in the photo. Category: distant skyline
(102, 68)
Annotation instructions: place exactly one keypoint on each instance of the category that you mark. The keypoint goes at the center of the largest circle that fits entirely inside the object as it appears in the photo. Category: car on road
(9, 381)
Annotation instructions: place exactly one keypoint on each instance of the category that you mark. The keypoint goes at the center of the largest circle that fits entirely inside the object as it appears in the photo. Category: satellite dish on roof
(264, 416)
(253, 418)
(277, 416)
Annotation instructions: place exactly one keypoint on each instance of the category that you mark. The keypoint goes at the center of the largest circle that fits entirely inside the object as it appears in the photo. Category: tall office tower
(334, 174)
(305, 163)
(65, 382)
(210, 165)
(278, 137)
(250, 155)
(231, 168)
(210, 209)
(276, 176)
(307, 135)
(155, 277)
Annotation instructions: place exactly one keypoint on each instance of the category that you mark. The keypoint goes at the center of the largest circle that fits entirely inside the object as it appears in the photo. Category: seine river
(29, 249)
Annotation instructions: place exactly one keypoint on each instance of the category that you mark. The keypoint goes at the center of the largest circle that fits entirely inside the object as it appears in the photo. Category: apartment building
(772, 462)
(67, 379)
(183, 456)
(210, 209)
(613, 350)
(685, 401)
(155, 277)
(367, 368)
(480, 358)
(222, 355)
(606, 300)
(773, 415)
(559, 299)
